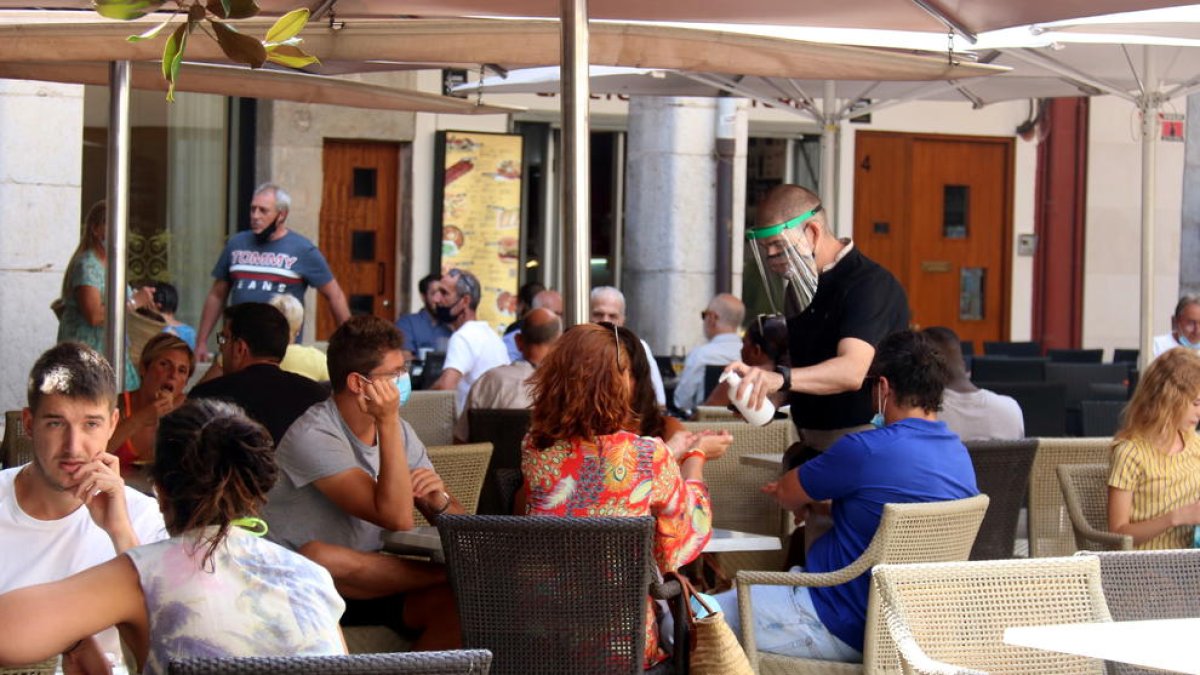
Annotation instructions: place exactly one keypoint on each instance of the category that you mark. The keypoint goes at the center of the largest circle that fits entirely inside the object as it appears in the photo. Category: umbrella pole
(1149, 101)
(575, 144)
(117, 190)
(829, 151)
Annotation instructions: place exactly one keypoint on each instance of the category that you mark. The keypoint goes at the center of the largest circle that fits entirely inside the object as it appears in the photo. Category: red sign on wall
(1172, 126)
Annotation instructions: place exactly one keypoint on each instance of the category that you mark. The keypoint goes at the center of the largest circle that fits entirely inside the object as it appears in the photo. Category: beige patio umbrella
(280, 85)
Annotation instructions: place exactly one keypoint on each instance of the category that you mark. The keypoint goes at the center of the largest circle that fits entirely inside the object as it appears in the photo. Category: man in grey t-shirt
(351, 468)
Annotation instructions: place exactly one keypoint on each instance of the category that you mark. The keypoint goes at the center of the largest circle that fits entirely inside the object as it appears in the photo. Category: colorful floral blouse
(623, 474)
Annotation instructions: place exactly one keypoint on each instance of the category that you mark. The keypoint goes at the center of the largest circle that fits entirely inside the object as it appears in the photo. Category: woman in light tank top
(215, 588)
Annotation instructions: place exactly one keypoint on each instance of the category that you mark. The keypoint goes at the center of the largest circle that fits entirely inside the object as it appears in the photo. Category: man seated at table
(253, 343)
(349, 469)
(974, 414)
(909, 457)
(48, 531)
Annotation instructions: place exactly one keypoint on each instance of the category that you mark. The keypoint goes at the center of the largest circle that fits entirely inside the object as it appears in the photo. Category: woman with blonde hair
(80, 307)
(1154, 483)
(165, 367)
(580, 460)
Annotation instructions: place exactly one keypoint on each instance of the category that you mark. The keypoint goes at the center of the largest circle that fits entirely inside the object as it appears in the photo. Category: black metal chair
(1002, 473)
(1125, 356)
(505, 429)
(459, 662)
(549, 595)
(1043, 405)
(968, 347)
(1008, 369)
(712, 377)
(1026, 349)
(1076, 355)
(431, 369)
(1101, 418)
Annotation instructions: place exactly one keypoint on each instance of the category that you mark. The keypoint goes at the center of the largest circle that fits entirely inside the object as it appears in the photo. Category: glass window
(179, 173)
(956, 202)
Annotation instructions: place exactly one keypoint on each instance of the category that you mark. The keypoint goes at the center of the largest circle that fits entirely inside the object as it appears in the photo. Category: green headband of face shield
(772, 230)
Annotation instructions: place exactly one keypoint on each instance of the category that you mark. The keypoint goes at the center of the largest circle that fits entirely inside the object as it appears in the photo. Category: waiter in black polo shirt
(839, 305)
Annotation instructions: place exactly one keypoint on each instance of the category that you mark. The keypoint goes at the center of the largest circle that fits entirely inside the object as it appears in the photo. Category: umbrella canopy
(379, 44)
(268, 84)
(969, 16)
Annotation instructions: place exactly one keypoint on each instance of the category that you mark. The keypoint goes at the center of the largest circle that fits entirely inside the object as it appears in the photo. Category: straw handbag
(714, 648)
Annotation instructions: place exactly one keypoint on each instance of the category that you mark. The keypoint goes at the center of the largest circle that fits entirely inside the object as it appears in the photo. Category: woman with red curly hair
(579, 460)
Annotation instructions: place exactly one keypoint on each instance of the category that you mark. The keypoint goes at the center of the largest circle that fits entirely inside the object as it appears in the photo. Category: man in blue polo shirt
(266, 260)
(909, 457)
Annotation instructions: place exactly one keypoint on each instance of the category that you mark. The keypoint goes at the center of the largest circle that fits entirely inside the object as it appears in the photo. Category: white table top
(723, 541)
(1164, 644)
(770, 460)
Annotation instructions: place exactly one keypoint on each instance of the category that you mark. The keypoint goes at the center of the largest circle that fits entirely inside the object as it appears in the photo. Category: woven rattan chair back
(463, 469)
(17, 447)
(431, 414)
(460, 662)
(1085, 492)
(1050, 532)
(1001, 473)
(738, 502)
(1144, 585)
(550, 595)
(932, 531)
(47, 667)
(950, 617)
(505, 429)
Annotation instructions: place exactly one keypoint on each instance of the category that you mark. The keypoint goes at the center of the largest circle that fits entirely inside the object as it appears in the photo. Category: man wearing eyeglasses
(722, 318)
(351, 468)
(252, 343)
(840, 305)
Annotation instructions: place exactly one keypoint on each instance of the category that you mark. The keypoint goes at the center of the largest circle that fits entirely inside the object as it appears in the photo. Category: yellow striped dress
(1159, 483)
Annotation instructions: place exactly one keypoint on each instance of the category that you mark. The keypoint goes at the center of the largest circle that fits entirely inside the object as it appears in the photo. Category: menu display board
(481, 216)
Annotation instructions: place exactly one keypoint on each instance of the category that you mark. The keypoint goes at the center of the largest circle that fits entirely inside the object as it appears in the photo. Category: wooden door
(358, 226)
(948, 201)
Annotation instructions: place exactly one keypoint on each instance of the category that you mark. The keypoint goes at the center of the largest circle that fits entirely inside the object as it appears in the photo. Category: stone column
(670, 223)
(41, 166)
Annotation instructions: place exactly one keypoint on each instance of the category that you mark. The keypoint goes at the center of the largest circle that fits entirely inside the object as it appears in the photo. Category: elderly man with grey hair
(608, 304)
(264, 261)
(1185, 327)
(722, 319)
(474, 347)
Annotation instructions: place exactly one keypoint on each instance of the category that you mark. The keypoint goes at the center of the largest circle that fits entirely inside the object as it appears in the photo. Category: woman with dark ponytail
(215, 588)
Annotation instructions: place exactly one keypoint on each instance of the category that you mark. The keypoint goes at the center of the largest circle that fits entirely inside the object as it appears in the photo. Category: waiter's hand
(760, 383)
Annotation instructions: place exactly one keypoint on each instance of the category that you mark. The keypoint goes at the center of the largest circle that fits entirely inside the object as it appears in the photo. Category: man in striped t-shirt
(266, 260)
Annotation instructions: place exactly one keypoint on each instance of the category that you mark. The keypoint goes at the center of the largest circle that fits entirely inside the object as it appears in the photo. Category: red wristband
(694, 452)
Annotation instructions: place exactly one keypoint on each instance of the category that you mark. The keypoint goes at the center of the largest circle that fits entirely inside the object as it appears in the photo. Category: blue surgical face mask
(1188, 343)
(877, 421)
(404, 386)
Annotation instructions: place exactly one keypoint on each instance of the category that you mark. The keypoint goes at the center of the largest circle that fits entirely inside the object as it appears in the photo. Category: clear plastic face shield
(784, 252)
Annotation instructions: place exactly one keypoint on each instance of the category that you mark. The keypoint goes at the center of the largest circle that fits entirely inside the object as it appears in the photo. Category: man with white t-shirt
(474, 347)
(974, 414)
(608, 304)
(69, 509)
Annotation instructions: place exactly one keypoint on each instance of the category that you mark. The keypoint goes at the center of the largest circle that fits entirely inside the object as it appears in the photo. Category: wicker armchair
(460, 662)
(505, 430)
(549, 595)
(933, 531)
(1002, 473)
(431, 414)
(462, 468)
(737, 502)
(1049, 525)
(955, 613)
(1085, 491)
(1142, 585)
(17, 447)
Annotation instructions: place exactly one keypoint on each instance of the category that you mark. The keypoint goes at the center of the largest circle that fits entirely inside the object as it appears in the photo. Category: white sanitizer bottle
(759, 417)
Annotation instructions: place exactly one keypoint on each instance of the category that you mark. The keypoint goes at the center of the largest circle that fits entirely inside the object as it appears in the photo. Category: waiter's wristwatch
(787, 377)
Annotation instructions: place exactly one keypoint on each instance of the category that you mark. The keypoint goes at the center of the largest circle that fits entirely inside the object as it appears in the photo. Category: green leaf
(125, 10)
(173, 57)
(287, 26)
(237, 46)
(152, 33)
(292, 57)
(233, 9)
